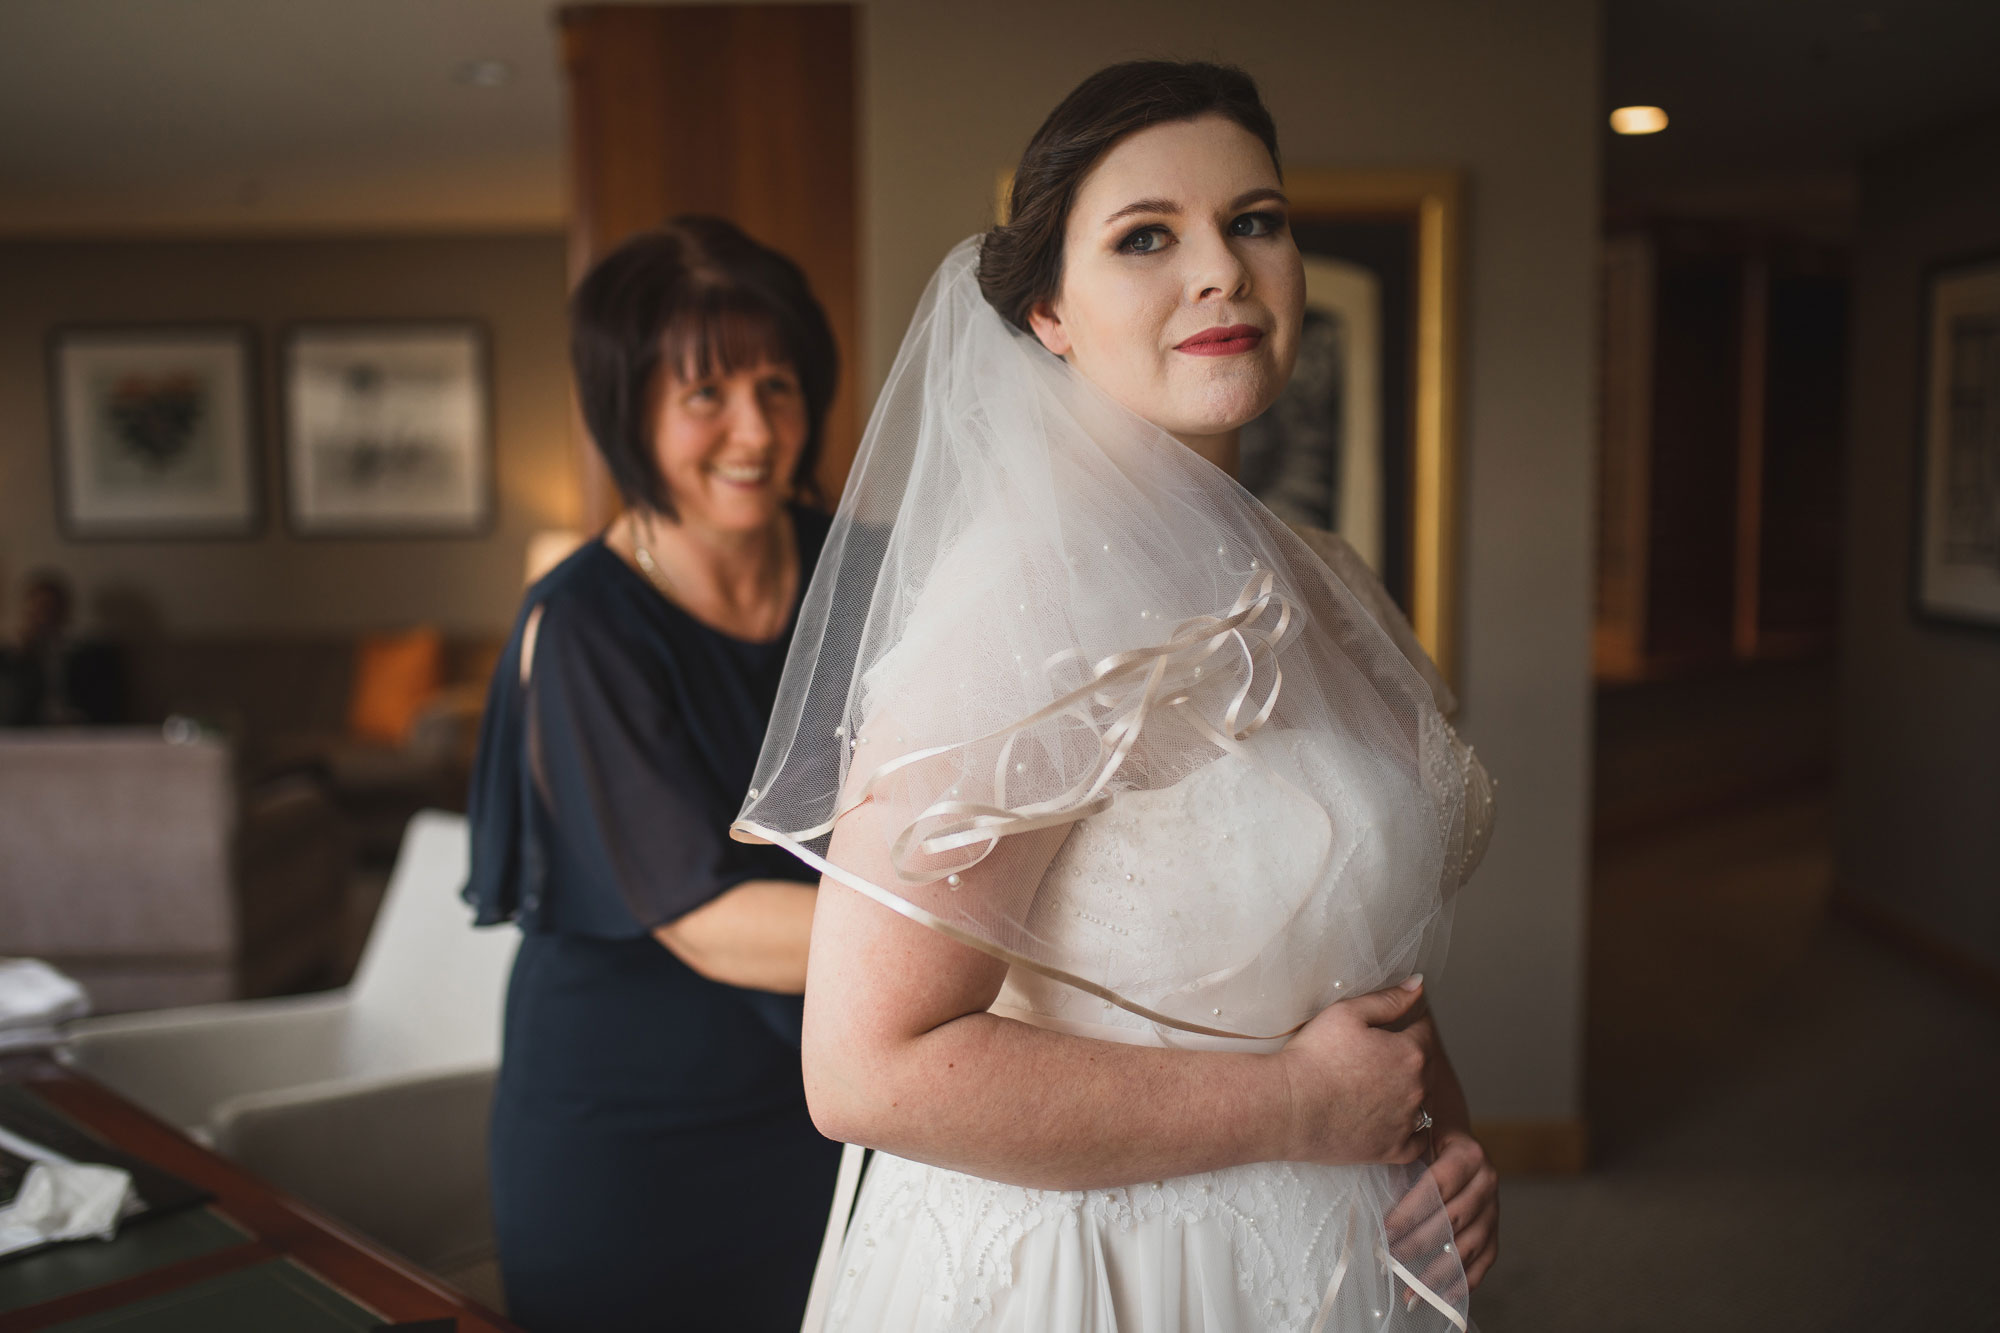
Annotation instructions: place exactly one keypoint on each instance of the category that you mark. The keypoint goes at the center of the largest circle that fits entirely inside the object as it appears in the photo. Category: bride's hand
(1356, 1085)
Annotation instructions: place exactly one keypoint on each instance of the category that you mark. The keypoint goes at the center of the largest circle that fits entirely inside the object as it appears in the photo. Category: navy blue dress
(653, 1164)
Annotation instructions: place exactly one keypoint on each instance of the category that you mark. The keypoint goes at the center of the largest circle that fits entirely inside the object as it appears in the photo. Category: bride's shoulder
(952, 611)
(1338, 555)
(1347, 565)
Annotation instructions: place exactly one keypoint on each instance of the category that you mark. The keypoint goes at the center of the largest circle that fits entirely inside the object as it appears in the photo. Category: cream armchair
(368, 1102)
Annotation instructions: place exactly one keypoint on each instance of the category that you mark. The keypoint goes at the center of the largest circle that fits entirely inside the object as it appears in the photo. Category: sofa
(285, 703)
(144, 868)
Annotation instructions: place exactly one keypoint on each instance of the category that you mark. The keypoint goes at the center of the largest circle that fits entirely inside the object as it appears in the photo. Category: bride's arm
(900, 1054)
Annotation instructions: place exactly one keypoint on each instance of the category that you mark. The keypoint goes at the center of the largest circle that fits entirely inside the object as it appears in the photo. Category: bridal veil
(1034, 603)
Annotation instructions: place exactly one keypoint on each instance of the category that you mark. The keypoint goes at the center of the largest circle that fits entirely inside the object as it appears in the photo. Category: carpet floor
(1793, 1126)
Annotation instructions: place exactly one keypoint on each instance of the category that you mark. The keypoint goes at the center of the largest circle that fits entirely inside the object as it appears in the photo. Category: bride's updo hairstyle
(1021, 260)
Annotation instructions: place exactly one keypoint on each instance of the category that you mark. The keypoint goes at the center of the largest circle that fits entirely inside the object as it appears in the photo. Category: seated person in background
(51, 679)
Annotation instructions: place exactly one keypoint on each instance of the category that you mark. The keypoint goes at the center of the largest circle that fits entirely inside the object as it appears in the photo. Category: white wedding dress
(1175, 883)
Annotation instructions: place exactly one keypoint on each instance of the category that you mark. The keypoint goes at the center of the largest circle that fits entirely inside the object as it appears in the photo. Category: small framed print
(1958, 517)
(154, 431)
(388, 430)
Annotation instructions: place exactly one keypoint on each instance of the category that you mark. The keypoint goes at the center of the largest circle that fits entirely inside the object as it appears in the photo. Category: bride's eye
(1144, 241)
(1257, 224)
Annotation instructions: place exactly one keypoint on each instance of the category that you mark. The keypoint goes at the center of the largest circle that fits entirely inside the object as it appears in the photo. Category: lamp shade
(548, 549)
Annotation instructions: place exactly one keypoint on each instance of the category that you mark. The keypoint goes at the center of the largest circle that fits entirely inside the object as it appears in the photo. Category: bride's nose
(1215, 270)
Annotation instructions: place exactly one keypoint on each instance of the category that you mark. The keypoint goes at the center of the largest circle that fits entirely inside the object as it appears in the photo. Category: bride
(1157, 793)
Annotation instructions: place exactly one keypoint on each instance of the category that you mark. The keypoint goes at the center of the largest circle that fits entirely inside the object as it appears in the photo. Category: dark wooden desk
(275, 1228)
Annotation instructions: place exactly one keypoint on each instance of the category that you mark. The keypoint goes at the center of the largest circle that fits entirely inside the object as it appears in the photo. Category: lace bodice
(1262, 887)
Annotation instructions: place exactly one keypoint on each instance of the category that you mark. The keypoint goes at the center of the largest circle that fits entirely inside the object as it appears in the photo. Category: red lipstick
(1223, 340)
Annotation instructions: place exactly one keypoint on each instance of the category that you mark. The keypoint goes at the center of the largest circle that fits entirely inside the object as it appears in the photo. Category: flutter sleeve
(633, 825)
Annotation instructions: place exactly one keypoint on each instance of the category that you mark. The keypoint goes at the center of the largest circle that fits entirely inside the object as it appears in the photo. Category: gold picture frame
(1411, 224)
(1429, 204)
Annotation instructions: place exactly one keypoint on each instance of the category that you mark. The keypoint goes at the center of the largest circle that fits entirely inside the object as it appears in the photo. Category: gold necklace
(649, 566)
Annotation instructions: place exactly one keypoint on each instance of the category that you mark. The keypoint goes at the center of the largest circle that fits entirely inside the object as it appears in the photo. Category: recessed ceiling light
(1638, 120)
(483, 73)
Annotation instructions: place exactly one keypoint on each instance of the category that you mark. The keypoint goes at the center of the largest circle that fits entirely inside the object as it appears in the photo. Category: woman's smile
(1223, 340)
(748, 476)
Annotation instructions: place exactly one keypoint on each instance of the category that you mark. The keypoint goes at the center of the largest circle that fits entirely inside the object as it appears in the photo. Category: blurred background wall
(1919, 833)
(276, 583)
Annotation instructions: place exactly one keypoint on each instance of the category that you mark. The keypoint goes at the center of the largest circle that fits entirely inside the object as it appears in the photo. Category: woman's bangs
(723, 331)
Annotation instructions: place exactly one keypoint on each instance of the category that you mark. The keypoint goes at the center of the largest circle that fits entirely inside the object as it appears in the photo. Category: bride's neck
(1221, 450)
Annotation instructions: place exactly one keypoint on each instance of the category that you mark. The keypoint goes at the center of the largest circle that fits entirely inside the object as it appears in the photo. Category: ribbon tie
(1123, 693)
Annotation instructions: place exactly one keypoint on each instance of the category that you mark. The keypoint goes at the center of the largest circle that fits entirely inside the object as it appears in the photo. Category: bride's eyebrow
(1169, 208)
(1166, 206)
(1256, 196)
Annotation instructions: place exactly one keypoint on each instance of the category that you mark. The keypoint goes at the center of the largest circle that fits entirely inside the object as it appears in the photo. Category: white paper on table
(36, 998)
(62, 1199)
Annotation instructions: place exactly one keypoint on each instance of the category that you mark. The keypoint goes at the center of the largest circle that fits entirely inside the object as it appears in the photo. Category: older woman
(653, 1161)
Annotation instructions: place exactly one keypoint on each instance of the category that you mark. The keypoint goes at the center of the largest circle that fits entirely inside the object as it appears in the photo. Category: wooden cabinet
(1722, 414)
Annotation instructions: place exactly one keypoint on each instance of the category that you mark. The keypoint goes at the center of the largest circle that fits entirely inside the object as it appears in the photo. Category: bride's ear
(1048, 326)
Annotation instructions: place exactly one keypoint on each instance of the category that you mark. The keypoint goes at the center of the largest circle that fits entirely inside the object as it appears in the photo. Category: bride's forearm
(1001, 1099)
(901, 1054)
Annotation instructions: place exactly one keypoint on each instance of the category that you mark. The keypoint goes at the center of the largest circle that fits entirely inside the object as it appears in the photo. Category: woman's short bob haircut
(1021, 260)
(698, 298)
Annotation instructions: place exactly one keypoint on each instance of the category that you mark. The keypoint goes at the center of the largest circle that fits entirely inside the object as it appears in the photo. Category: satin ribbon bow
(1122, 694)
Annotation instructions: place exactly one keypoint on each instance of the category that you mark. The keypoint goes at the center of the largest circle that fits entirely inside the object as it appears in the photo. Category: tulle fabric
(1034, 605)
(1274, 1247)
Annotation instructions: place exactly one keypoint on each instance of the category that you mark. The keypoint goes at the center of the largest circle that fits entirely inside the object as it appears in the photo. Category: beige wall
(277, 583)
(1505, 91)
(1920, 706)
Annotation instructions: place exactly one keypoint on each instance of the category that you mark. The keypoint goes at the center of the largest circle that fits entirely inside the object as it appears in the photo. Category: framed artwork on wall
(1364, 438)
(154, 430)
(1958, 498)
(388, 430)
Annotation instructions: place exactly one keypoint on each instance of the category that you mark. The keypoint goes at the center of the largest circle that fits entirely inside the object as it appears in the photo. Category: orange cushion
(395, 675)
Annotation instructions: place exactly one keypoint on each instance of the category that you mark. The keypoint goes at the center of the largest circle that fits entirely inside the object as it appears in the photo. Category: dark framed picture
(1958, 503)
(388, 430)
(154, 431)
(1363, 440)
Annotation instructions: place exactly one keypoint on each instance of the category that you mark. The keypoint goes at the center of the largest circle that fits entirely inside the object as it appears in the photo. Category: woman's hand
(1466, 1183)
(1470, 1188)
(1357, 1086)
(753, 935)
